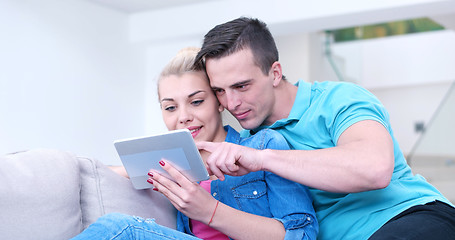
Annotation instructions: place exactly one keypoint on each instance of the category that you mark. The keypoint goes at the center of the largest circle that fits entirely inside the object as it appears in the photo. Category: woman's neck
(220, 137)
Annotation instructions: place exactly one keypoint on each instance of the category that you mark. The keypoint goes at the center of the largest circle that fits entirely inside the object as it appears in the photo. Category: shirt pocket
(252, 197)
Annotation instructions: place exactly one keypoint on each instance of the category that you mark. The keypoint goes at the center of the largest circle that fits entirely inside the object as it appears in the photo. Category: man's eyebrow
(240, 83)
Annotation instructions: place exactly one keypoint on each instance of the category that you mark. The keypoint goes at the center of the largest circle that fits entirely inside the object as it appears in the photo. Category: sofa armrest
(39, 195)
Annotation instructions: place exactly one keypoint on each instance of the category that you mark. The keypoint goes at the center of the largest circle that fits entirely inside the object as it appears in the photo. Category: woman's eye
(170, 108)
(197, 102)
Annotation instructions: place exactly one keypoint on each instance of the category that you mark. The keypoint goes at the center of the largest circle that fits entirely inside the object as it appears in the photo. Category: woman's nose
(185, 116)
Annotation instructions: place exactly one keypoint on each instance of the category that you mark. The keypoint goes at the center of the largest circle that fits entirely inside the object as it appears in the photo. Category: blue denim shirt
(263, 193)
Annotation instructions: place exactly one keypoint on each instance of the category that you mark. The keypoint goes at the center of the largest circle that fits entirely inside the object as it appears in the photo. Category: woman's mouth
(194, 131)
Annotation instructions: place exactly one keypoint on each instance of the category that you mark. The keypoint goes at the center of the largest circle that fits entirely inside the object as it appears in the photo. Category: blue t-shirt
(320, 114)
(264, 193)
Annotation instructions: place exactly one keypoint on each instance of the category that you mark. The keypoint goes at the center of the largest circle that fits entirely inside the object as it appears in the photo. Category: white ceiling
(134, 6)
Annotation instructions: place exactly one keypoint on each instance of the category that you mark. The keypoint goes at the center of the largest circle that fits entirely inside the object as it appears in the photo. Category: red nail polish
(161, 163)
(150, 174)
(150, 181)
(155, 189)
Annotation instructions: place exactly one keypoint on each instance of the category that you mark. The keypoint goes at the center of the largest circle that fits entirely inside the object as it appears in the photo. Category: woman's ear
(277, 73)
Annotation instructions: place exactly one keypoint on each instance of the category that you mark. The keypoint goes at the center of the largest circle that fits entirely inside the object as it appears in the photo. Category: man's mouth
(241, 116)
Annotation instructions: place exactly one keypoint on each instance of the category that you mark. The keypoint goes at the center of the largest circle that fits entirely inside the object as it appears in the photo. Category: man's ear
(220, 108)
(277, 73)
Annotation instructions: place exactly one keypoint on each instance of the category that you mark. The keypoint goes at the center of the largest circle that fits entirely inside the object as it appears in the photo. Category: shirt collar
(232, 135)
(301, 104)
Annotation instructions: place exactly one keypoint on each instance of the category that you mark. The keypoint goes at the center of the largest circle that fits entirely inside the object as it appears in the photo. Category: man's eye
(197, 102)
(218, 91)
(242, 86)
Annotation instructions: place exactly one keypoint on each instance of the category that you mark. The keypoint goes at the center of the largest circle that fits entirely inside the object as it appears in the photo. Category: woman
(259, 205)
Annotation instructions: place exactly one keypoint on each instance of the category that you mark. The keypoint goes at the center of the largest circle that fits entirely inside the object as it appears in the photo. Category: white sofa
(51, 194)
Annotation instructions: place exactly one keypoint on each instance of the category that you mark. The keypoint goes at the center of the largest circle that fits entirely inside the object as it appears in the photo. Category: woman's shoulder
(266, 139)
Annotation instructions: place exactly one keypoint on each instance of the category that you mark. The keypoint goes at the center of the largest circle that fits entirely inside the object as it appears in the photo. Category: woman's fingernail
(150, 181)
(155, 189)
(150, 174)
(161, 163)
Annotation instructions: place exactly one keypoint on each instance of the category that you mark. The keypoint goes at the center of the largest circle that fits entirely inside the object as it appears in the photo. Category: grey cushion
(39, 195)
(51, 194)
(104, 191)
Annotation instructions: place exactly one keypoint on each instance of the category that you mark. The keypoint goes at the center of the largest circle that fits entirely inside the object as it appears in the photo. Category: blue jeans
(125, 227)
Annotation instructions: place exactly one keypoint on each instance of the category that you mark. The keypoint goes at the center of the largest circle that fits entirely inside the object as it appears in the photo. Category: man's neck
(285, 97)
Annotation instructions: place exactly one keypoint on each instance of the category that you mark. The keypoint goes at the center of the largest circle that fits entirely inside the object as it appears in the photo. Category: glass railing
(433, 155)
(437, 138)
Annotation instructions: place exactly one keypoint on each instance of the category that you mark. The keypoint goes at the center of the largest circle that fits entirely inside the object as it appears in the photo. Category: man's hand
(230, 159)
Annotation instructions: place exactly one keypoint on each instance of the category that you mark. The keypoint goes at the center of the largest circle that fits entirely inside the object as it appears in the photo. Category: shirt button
(255, 192)
(214, 194)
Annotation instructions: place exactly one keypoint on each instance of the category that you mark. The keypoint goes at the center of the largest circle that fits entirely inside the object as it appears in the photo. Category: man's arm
(362, 160)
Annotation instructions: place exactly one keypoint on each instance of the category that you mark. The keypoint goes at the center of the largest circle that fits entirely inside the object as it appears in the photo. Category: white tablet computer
(140, 155)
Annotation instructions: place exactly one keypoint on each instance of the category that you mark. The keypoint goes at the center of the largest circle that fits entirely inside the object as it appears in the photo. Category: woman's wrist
(213, 213)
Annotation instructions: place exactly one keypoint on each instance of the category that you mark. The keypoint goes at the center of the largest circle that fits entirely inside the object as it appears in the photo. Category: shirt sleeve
(290, 202)
(348, 104)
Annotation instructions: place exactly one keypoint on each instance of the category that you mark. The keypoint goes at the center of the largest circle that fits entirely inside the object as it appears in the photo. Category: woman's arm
(196, 203)
(120, 170)
(241, 225)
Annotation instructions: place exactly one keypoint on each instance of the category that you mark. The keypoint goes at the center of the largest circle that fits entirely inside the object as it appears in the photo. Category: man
(344, 147)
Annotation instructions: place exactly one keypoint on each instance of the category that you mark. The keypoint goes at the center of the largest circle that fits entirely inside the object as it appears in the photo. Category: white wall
(410, 74)
(157, 56)
(403, 60)
(69, 78)
(76, 76)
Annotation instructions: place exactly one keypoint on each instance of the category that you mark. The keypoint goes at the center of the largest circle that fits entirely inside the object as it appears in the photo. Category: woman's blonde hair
(181, 63)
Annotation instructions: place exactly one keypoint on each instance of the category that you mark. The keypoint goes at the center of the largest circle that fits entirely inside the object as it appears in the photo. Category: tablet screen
(139, 161)
(140, 155)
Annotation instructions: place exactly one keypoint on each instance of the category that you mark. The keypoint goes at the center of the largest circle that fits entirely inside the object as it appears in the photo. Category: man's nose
(233, 101)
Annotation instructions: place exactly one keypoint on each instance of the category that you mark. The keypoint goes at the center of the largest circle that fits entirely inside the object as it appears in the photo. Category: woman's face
(187, 101)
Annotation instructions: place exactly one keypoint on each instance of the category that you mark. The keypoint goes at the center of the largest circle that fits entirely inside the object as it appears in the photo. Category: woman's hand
(186, 196)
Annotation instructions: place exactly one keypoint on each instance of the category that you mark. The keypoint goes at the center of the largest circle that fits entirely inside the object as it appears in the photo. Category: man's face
(243, 88)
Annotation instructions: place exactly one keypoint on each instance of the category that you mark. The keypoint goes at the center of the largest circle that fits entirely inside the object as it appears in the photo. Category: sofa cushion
(104, 191)
(39, 195)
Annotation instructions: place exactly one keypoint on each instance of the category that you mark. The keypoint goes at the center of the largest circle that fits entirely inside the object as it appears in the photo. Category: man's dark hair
(239, 34)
